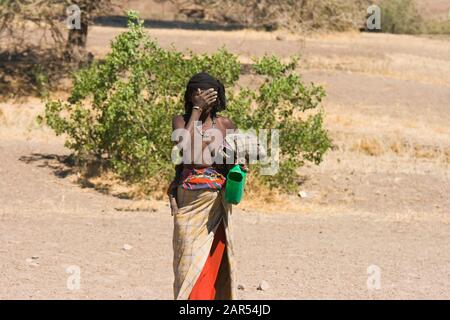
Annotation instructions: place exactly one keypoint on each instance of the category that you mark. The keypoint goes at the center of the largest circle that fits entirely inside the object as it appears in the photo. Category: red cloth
(204, 288)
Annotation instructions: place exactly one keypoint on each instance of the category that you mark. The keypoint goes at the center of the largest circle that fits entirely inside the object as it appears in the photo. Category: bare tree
(34, 39)
(45, 20)
(77, 37)
(17, 17)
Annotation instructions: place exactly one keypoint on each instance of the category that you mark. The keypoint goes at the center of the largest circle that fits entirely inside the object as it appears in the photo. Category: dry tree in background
(294, 15)
(36, 46)
(38, 24)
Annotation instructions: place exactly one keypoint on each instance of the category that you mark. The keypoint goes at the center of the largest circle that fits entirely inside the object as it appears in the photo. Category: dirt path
(49, 224)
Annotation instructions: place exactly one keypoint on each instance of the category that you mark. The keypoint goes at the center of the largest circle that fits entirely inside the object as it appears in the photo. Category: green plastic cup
(234, 189)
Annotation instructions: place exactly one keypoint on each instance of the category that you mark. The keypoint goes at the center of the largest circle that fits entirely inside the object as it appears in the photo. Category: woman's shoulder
(179, 117)
(178, 121)
(226, 122)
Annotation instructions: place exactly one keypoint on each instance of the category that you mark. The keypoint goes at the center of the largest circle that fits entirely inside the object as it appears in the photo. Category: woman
(203, 251)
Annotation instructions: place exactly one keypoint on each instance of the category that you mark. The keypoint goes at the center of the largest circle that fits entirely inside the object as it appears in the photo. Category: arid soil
(379, 201)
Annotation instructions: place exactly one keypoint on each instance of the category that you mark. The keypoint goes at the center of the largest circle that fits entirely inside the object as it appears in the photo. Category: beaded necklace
(200, 128)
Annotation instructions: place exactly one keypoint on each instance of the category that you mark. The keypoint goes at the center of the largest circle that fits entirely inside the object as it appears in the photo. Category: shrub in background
(120, 109)
(401, 16)
(438, 27)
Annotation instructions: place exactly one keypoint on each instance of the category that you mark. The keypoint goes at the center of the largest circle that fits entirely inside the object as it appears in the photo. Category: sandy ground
(301, 256)
(379, 201)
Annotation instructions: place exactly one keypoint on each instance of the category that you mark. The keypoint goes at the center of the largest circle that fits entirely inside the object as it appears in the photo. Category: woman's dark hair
(205, 81)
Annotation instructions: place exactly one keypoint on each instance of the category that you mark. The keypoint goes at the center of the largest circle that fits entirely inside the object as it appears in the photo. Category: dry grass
(397, 66)
(369, 65)
(150, 197)
(396, 137)
(18, 120)
(402, 148)
(370, 146)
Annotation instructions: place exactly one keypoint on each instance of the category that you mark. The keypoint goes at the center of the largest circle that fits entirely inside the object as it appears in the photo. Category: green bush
(401, 17)
(120, 109)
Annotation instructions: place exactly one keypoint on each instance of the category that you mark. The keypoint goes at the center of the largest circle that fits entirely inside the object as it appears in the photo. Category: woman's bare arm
(201, 100)
(229, 125)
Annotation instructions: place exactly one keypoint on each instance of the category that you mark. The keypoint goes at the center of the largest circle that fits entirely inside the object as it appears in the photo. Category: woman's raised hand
(204, 98)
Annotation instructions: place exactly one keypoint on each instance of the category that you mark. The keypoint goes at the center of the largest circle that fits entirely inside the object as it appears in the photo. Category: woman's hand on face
(204, 98)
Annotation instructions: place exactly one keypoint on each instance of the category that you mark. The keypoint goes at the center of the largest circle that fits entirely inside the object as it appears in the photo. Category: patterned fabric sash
(202, 178)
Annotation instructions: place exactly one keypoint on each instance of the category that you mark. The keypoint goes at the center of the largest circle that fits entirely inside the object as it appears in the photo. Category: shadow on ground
(121, 22)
